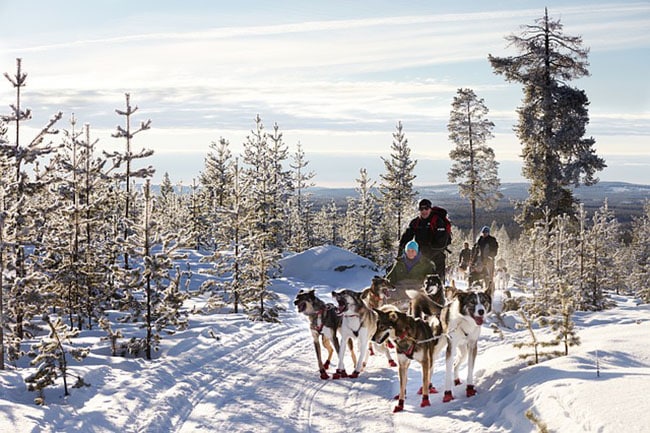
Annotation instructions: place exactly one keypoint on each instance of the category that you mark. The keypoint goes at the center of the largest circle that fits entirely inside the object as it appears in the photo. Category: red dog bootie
(425, 401)
(323, 374)
(470, 391)
(399, 407)
(432, 390)
(339, 374)
(447, 397)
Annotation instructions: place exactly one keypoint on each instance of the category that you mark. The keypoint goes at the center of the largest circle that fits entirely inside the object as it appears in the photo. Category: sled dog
(324, 323)
(375, 296)
(501, 278)
(414, 338)
(461, 322)
(357, 322)
(429, 300)
(379, 291)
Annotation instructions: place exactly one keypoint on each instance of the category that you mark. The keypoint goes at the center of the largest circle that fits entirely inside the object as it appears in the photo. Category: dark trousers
(439, 259)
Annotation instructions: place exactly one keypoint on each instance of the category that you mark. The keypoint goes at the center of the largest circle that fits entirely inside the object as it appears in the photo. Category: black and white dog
(358, 322)
(461, 321)
(324, 323)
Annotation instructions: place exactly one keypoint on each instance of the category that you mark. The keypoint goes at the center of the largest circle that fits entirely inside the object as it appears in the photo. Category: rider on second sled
(482, 262)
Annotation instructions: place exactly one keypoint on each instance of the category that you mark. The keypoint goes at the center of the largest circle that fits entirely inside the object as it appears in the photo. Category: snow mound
(329, 265)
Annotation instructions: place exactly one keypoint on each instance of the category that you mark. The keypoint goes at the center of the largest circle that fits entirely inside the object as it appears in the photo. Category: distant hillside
(625, 199)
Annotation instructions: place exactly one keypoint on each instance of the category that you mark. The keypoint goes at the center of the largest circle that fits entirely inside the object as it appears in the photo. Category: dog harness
(319, 314)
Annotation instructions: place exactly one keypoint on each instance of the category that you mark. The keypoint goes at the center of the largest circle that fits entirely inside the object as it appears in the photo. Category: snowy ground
(228, 374)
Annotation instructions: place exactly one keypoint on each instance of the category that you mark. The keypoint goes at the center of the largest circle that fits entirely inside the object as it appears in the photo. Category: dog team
(436, 319)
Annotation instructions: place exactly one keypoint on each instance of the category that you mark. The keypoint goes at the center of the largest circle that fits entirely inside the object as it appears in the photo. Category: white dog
(462, 320)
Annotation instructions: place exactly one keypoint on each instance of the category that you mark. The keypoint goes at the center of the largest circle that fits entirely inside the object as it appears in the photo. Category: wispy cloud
(351, 79)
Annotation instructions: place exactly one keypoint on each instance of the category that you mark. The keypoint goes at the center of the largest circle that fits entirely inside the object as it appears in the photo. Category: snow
(228, 374)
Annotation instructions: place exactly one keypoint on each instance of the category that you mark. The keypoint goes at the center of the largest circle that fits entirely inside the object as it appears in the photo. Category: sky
(226, 373)
(335, 76)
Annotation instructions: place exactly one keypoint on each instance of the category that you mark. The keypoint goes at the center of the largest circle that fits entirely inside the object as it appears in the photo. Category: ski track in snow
(272, 383)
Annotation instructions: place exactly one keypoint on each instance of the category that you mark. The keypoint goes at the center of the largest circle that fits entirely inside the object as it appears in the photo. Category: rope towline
(434, 338)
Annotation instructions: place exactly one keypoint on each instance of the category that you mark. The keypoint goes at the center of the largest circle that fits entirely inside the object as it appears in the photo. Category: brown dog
(376, 296)
(414, 339)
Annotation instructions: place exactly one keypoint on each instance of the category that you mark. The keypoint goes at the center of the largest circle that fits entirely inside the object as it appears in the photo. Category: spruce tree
(396, 186)
(474, 168)
(553, 117)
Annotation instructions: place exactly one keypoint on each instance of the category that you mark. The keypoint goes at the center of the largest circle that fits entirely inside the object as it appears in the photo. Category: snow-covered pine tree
(601, 245)
(538, 346)
(396, 186)
(170, 208)
(362, 219)
(51, 358)
(328, 225)
(269, 181)
(199, 217)
(128, 157)
(562, 321)
(151, 294)
(217, 182)
(300, 229)
(23, 211)
(260, 264)
(474, 168)
(280, 189)
(553, 117)
(231, 255)
(639, 277)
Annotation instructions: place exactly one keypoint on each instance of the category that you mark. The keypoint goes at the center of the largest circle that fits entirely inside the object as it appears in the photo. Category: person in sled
(432, 231)
(409, 272)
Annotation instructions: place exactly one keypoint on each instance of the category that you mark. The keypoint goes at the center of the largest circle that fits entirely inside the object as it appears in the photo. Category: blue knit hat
(412, 245)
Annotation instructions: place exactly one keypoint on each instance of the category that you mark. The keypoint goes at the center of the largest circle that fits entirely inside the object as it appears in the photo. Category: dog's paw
(425, 401)
(470, 391)
(339, 374)
(324, 375)
(399, 407)
(432, 390)
(457, 382)
(326, 365)
(354, 374)
(447, 397)
(390, 345)
(392, 363)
